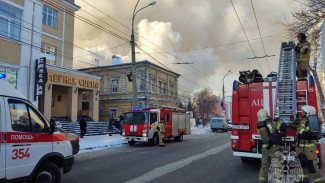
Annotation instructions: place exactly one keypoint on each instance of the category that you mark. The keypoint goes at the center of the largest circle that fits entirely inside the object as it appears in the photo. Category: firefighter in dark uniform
(302, 57)
(307, 146)
(161, 132)
(265, 126)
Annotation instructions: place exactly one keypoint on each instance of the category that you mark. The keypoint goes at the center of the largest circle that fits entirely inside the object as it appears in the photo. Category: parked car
(229, 125)
(73, 138)
(218, 124)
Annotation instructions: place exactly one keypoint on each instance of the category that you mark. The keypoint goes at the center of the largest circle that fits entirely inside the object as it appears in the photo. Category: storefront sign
(40, 78)
(58, 78)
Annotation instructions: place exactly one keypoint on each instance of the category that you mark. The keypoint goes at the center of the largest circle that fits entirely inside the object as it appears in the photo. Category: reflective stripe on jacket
(301, 56)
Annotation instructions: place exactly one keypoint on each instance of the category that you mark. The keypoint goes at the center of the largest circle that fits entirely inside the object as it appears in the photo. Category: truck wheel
(244, 160)
(155, 140)
(320, 163)
(131, 143)
(48, 173)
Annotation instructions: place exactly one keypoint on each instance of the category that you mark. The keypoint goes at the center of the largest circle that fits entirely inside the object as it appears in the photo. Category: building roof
(143, 62)
(70, 4)
(71, 71)
(7, 90)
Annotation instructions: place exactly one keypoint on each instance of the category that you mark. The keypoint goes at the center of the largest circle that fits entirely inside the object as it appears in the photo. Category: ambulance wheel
(48, 173)
(131, 143)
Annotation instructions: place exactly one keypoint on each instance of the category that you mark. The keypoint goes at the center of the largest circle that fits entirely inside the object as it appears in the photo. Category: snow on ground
(200, 130)
(100, 142)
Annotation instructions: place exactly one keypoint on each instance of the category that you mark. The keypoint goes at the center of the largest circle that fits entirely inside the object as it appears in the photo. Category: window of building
(114, 85)
(113, 113)
(153, 85)
(10, 21)
(159, 87)
(164, 88)
(49, 52)
(11, 75)
(105, 85)
(50, 17)
(171, 90)
(142, 81)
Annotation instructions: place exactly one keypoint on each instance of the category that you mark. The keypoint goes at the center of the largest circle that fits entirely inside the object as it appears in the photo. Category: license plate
(241, 127)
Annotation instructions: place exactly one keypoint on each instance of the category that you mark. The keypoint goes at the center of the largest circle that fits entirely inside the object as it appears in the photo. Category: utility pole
(134, 77)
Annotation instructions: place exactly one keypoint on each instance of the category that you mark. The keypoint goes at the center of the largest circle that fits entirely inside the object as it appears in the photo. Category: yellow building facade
(32, 29)
(156, 87)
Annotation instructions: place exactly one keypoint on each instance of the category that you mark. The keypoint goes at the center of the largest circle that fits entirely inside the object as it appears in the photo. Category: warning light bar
(2, 76)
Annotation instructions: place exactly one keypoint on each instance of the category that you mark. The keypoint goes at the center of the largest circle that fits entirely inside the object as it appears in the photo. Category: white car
(229, 125)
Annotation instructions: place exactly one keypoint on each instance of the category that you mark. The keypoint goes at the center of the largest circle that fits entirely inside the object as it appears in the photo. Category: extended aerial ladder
(285, 106)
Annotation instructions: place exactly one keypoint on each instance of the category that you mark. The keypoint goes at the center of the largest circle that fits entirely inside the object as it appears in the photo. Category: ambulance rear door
(28, 137)
(3, 140)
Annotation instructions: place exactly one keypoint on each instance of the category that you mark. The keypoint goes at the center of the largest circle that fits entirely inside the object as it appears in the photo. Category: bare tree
(308, 20)
(203, 102)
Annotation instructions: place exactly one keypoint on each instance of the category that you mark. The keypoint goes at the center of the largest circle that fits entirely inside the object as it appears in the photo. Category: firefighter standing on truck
(306, 145)
(161, 132)
(302, 57)
(271, 139)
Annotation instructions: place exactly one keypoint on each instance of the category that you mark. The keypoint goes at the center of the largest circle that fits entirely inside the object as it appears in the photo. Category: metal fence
(93, 128)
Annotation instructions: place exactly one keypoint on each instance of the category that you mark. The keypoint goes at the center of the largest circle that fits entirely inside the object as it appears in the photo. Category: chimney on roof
(116, 60)
(97, 62)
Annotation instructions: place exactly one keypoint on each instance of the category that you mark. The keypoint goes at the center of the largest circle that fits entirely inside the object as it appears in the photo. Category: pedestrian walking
(110, 126)
(161, 132)
(121, 124)
(83, 127)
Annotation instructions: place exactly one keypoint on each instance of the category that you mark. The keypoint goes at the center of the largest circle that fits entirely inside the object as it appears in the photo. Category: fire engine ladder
(285, 97)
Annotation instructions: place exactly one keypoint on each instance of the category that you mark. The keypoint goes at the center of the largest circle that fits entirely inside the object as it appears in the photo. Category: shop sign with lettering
(59, 78)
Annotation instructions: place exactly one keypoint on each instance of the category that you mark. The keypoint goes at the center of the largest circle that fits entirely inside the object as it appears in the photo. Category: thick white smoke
(197, 32)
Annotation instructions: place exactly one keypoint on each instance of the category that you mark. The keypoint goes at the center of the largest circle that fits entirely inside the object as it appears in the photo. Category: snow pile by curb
(101, 142)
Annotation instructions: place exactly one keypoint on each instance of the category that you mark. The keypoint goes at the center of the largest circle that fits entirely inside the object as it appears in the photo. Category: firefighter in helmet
(161, 131)
(302, 57)
(266, 127)
(306, 147)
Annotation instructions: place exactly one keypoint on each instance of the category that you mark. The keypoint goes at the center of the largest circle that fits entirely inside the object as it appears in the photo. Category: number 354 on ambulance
(30, 148)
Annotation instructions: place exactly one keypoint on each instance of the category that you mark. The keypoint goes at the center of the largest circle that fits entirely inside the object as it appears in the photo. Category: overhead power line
(259, 31)
(245, 34)
(155, 45)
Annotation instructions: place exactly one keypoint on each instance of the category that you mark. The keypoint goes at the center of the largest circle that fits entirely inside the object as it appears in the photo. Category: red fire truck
(141, 125)
(283, 98)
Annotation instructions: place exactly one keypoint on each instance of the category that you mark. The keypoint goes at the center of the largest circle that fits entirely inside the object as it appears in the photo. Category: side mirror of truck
(52, 126)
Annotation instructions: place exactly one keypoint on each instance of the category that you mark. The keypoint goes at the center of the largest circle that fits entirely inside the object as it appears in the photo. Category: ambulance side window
(38, 123)
(19, 116)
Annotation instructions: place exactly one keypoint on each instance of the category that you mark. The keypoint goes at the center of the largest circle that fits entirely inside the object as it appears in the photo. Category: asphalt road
(199, 158)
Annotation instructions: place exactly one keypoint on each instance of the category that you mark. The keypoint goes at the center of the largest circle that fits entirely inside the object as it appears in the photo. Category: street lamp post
(134, 78)
(223, 89)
